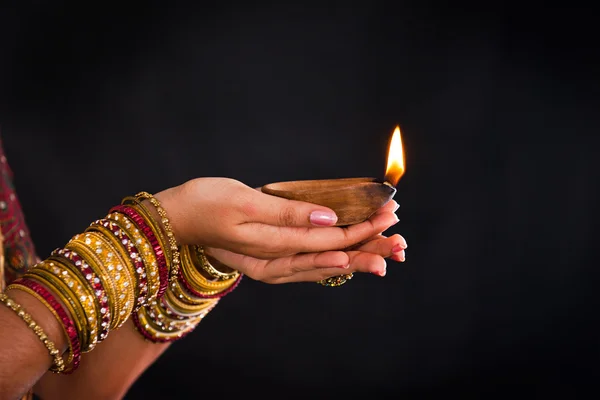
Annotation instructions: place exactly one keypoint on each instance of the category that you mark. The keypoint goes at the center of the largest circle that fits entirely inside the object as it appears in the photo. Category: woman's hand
(368, 256)
(226, 214)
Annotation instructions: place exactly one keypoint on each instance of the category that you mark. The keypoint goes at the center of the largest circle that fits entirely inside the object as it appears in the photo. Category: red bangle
(67, 322)
(90, 276)
(163, 271)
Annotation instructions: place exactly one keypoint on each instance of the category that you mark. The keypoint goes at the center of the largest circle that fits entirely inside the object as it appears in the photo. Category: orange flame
(395, 161)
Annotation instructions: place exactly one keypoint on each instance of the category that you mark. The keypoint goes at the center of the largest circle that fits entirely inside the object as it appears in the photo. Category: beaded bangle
(210, 269)
(196, 278)
(149, 233)
(58, 363)
(180, 314)
(185, 282)
(130, 255)
(108, 299)
(84, 245)
(174, 247)
(94, 282)
(149, 217)
(144, 251)
(82, 293)
(150, 332)
(179, 304)
(181, 293)
(118, 272)
(66, 297)
(173, 322)
(46, 298)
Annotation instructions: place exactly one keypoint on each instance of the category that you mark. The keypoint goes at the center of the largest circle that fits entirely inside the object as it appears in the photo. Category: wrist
(43, 317)
(168, 201)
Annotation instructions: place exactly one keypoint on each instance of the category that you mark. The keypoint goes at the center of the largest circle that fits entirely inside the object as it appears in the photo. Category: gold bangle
(182, 314)
(81, 292)
(207, 266)
(118, 271)
(177, 304)
(197, 278)
(112, 242)
(77, 245)
(58, 363)
(17, 286)
(169, 323)
(154, 330)
(66, 297)
(145, 250)
(183, 295)
(174, 247)
(154, 225)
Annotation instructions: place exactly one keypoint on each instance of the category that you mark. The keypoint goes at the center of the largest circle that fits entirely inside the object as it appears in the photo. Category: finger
(383, 246)
(276, 211)
(359, 262)
(390, 206)
(372, 238)
(279, 268)
(400, 256)
(292, 240)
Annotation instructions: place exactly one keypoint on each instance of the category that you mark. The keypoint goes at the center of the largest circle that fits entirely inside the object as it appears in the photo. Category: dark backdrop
(498, 204)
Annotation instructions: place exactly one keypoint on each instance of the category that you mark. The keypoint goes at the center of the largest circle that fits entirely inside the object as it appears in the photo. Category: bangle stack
(192, 292)
(127, 264)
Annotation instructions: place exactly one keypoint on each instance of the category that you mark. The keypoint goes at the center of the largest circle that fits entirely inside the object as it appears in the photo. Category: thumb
(277, 211)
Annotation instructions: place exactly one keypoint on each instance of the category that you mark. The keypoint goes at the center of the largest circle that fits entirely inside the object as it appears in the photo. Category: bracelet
(149, 232)
(196, 278)
(207, 266)
(184, 281)
(118, 271)
(82, 293)
(174, 247)
(151, 332)
(145, 252)
(66, 298)
(45, 297)
(129, 254)
(90, 247)
(58, 363)
(100, 277)
(101, 299)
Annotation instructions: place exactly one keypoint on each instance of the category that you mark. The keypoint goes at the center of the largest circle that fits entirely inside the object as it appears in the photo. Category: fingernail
(397, 248)
(323, 218)
(397, 207)
(344, 266)
(383, 272)
(397, 219)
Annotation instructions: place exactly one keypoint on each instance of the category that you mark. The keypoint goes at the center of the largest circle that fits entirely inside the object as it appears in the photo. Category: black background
(499, 119)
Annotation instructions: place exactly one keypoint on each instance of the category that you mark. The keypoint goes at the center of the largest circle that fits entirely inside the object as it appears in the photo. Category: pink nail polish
(323, 218)
(397, 207)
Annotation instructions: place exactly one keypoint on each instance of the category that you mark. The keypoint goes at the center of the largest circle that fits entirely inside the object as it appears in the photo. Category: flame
(395, 161)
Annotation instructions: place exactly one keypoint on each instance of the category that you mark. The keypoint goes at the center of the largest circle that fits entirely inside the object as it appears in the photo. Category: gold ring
(336, 280)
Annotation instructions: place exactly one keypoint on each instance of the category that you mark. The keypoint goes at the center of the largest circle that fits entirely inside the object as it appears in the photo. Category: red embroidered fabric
(19, 251)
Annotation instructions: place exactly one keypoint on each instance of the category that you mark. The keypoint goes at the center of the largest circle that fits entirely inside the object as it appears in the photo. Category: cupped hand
(367, 256)
(227, 214)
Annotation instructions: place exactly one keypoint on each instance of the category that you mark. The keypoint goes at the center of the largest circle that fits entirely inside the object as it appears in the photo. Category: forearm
(100, 376)
(112, 367)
